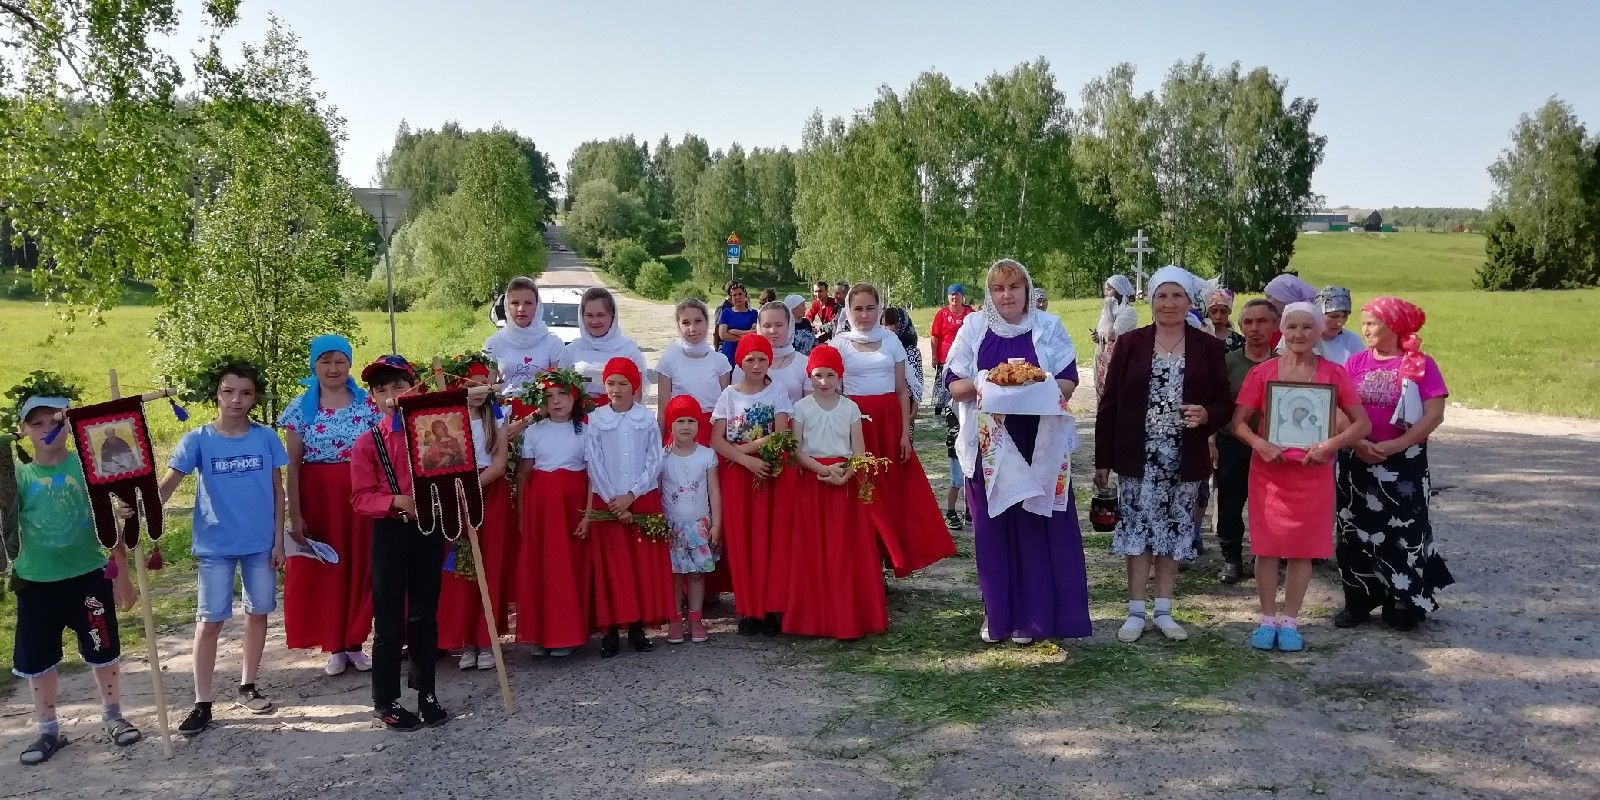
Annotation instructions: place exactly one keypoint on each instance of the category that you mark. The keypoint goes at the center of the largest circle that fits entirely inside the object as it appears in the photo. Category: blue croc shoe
(1289, 640)
(1264, 637)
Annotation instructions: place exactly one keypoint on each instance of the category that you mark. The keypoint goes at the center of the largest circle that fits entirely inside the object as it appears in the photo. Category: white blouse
(552, 446)
(480, 446)
(744, 412)
(867, 374)
(684, 493)
(825, 433)
(517, 365)
(700, 378)
(590, 362)
(791, 376)
(623, 451)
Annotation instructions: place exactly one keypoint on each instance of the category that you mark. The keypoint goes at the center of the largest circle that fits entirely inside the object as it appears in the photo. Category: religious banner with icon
(114, 447)
(444, 468)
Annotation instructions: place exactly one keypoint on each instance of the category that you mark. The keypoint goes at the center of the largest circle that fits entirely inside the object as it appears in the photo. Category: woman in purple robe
(1025, 528)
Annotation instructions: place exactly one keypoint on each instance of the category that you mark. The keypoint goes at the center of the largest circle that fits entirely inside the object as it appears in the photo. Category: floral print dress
(1158, 509)
(687, 501)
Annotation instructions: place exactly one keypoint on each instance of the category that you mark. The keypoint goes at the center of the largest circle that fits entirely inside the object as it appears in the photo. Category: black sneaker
(198, 720)
(610, 645)
(638, 640)
(433, 715)
(749, 626)
(773, 624)
(253, 701)
(1350, 619)
(952, 520)
(395, 717)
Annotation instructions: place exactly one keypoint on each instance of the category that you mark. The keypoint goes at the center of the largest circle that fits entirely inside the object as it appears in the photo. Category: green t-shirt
(1239, 365)
(58, 540)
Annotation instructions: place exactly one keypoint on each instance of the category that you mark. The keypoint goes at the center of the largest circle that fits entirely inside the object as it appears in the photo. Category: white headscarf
(1122, 285)
(610, 344)
(877, 334)
(1303, 308)
(991, 314)
(1172, 273)
(522, 339)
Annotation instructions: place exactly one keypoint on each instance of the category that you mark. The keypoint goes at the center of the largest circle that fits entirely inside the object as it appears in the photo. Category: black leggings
(1233, 489)
(406, 569)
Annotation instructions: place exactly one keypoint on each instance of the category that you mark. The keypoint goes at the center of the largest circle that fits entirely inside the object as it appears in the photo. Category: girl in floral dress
(691, 497)
(747, 414)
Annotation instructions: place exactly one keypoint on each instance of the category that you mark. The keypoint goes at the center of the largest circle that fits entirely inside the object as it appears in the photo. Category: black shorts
(83, 604)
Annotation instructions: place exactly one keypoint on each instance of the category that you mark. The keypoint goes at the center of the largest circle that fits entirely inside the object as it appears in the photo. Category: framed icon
(1299, 414)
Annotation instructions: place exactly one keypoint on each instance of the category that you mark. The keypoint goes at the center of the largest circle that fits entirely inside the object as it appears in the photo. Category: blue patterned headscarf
(311, 401)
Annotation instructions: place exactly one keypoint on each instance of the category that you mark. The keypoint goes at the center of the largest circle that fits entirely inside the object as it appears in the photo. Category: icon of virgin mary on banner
(114, 446)
(444, 468)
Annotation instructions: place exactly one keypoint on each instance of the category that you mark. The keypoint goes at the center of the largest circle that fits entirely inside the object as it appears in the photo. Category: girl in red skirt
(631, 568)
(328, 606)
(690, 366)
(551, 588)
(755, 547)
(461, 622)
(835, 583)
(905, 512)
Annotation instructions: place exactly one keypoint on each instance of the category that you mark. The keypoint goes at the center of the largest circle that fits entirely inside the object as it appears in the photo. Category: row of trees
(1434, 219)
(479, 201)
(228, 201)
(1544, 218)
(681, 197)
(927, 185)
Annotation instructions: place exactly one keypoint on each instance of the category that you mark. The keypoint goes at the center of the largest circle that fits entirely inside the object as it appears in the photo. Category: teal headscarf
(311, 401)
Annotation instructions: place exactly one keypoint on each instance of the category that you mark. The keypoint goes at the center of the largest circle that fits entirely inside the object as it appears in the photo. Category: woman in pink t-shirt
(1385, 541)
(1291, 491)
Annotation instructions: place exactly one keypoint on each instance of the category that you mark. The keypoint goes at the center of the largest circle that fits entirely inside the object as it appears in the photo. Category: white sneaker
(359, 660)
(469, 658)
(1132, 628)
(1022, 640)
(1170, 628)
(486, 659)
(983, 633)
(336, 664)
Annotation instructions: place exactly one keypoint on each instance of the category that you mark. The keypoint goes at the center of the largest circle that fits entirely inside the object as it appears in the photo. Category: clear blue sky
(1416, 98)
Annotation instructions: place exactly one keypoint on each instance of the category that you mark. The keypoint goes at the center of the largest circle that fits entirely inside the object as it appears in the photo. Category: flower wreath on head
(531, 400)
(471, 368)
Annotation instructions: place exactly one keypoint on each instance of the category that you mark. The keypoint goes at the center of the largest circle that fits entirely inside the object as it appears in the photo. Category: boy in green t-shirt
(62, 581)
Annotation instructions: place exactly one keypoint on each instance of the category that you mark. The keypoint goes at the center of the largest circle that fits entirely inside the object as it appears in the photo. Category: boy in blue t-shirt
(238, 527)
(60, 574)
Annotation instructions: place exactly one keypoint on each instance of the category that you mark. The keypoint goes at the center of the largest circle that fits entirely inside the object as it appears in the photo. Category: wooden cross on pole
(1141, 247)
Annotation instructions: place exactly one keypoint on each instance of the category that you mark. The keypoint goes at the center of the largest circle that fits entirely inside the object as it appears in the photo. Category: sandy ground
(1494, 697)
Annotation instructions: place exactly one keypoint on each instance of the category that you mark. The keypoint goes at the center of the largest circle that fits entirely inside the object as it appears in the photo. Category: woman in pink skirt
(1291, 490)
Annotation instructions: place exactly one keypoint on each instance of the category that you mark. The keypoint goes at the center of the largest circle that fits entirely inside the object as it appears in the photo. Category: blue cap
(32, 403)
(955, 288)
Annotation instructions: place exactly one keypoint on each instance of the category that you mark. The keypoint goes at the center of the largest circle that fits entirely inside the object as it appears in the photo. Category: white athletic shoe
(359, 660)
(336, 664)
(1132, 628)
(1022, 640)
(469, 658)
(1170, 628)
(486, 659)
(983, 633)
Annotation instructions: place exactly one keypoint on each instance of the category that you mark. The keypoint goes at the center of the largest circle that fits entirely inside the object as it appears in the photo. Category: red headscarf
(682, 406)
(825, 355)
(1405, 319)
(624, 367)
(751, 342)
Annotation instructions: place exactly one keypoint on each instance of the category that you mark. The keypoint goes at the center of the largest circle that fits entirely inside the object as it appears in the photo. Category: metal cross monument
(1141, 246)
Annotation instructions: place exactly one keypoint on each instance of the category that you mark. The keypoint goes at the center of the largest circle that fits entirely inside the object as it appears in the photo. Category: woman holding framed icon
(1293, 398)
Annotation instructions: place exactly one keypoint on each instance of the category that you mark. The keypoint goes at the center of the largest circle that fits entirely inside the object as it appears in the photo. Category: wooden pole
(478, 566)
(149, 614)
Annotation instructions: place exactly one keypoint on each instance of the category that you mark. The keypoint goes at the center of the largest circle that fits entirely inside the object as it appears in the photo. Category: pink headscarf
(1220, 297)
(1405, 319)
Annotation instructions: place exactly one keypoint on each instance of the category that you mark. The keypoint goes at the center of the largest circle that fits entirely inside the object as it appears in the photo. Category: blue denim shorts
(957, 480)
(215, 584)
